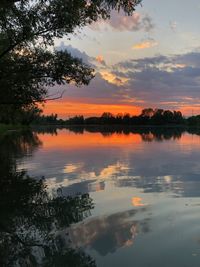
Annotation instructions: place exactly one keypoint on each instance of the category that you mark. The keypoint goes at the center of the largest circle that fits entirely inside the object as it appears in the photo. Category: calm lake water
(144, 186)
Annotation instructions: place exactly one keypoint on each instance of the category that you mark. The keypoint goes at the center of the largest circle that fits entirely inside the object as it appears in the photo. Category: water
(142, 189)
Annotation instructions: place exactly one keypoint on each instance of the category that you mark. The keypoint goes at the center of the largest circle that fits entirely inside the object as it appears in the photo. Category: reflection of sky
(107, 233)
(149, 59)
(163, 235)
(85, 162)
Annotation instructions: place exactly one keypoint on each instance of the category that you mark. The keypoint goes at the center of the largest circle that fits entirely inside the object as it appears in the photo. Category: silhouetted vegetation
(147, 117)
(47, 119)
(194, 121)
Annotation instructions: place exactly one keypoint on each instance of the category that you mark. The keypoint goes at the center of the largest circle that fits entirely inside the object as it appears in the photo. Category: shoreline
(115, 125)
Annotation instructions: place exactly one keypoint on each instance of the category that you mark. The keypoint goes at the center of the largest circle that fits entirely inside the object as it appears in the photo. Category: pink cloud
(122, 22)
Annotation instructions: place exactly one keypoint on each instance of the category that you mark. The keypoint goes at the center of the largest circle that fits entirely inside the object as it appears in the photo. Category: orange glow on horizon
(70, 108)
(66, 109)
(190, 110)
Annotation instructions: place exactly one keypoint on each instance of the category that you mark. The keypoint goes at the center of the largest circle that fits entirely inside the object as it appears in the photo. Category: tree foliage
(148, 116)
(28, 29)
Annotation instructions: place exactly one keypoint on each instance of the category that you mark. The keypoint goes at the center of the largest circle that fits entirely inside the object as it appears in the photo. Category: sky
(150, 59)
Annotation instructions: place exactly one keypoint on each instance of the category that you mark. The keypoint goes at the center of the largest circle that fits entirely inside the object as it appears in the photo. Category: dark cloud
(99, 91)
(75, 53)
(162, 78)
(93, 61)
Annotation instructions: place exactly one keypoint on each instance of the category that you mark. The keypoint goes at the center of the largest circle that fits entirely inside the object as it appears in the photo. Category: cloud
(113, 79)
(171, 82)
(137, 202)
(75, 53)
(145, 44)
(121, 22)
(92, 61)
(100, 60)
(164, 81)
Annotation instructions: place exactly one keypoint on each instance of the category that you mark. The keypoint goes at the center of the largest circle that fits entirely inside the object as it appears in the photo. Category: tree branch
(54, 98)
(34, 101)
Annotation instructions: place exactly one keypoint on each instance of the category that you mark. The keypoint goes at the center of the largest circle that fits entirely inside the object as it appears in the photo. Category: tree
(126, 118)
(157, 118)
(107, 117)
(147, 112)
(168, 116)
(28, 64)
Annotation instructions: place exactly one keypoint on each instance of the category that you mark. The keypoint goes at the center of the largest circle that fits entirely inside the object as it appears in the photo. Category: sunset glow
(66, 109)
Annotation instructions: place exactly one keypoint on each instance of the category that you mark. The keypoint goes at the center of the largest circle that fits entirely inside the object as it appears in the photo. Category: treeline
(47, 120)
(148, 116)
(194, 120)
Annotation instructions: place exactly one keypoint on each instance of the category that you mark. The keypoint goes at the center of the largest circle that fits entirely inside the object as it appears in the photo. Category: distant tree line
(194, 120)
(148, 116)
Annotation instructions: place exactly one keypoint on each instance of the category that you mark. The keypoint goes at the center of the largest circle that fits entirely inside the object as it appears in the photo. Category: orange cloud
(112, 78)
(145, 45)
(137, 202)
(120, 22)
(100, 59)
(170, 67)
(180, 66)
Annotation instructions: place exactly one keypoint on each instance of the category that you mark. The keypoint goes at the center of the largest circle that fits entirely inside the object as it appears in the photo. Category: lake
(137, 197)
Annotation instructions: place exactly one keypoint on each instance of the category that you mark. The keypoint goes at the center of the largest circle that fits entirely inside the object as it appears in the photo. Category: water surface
(144, 185)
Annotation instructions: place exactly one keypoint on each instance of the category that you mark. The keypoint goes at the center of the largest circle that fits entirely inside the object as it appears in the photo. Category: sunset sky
(151, 59)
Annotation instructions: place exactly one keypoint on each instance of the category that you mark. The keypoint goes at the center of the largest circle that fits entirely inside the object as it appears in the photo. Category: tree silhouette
(148, 116)
(27, 30)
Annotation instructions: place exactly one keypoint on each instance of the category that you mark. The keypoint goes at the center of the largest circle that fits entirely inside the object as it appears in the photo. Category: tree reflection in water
(30, 219)
(148, 134)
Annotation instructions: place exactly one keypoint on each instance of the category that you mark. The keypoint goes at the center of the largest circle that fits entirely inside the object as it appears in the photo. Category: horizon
(121, 111)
